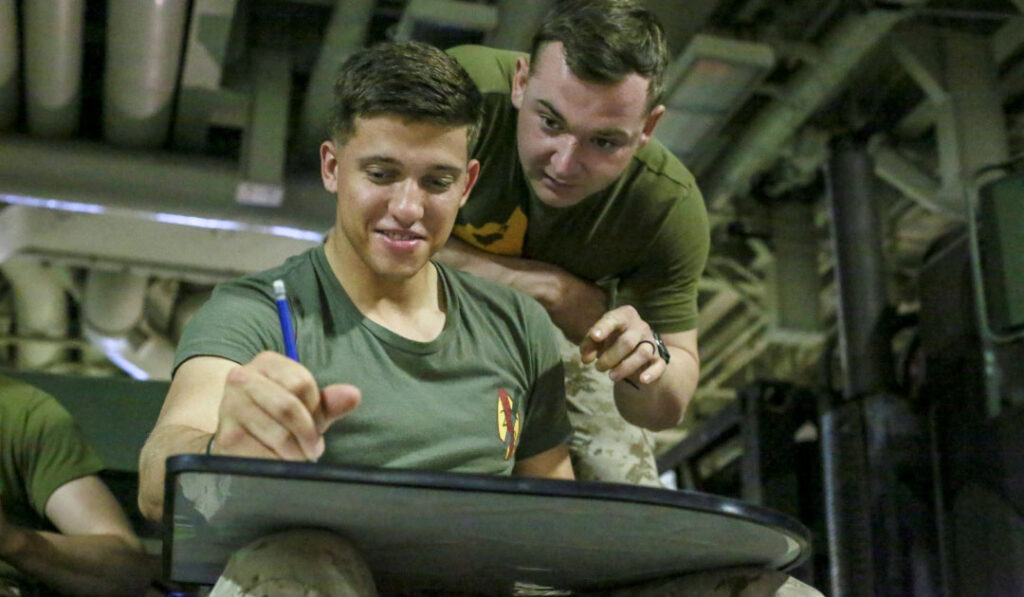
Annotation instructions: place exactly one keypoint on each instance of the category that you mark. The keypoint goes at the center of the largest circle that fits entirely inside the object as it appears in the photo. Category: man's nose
(406, 206)
(565, 161)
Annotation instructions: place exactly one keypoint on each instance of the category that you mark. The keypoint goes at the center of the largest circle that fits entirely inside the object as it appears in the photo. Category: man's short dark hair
(606, 40)
(409, 79)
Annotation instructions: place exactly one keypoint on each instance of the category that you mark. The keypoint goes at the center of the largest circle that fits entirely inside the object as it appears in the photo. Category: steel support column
(857, 242)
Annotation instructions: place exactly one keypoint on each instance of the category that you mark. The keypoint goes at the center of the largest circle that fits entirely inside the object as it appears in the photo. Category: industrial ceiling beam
(9, 59)
(842, 50)
(346, 32)
(201, 94)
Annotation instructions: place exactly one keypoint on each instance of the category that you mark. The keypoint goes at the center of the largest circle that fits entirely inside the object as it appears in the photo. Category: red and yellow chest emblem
(509, 423)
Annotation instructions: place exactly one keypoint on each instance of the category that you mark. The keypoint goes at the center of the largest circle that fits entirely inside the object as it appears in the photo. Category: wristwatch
(662, 351)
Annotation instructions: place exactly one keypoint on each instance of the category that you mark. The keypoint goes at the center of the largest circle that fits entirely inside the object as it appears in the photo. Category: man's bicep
(686, 341)
(195, 393)
(85, 506)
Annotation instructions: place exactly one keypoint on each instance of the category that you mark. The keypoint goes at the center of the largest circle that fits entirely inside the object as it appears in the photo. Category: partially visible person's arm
(574, 304)
(648, 392)
(550, 464)
(186, 422)
(95, 553)
(268, 408)
(579, 309)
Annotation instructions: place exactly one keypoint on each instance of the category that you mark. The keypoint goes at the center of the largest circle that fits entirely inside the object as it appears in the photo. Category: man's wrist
(12, 540)
(661, 348)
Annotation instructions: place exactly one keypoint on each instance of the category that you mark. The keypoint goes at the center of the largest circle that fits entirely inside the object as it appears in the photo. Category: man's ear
(472, 173)
(650, 123)
(519, 81)
(329, 166)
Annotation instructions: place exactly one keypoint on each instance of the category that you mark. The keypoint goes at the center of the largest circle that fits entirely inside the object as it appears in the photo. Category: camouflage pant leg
(604, 446)
(299, 563)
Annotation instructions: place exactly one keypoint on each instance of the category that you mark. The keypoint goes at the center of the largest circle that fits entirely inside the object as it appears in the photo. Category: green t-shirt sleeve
(55, 451)
(491, 69)
(546, 424)
(237, 323)
(664, 286)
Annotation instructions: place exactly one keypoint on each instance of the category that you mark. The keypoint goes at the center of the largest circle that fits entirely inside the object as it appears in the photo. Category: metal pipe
(112, 311)
(981, 140)
(144, 46)
(113, 301)
(40, 309)
(847, 503)
(53, 66)
(860, 273)
(849, 472)
(8, 64)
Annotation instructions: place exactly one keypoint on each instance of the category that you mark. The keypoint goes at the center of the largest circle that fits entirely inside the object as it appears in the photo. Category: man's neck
(410, 307)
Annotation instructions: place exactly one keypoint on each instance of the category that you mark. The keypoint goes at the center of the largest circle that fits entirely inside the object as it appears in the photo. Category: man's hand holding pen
(272, 408)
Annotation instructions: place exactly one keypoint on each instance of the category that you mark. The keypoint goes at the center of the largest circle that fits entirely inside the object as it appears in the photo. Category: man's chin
(553, 198)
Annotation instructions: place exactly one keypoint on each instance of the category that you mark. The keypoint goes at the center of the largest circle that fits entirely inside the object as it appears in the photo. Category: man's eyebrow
(379, 159)
(446, 169)
(551, 109)
(390, 161)
(612, 132)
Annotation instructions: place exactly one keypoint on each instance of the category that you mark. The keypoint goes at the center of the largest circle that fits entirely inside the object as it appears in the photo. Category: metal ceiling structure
(149, 148)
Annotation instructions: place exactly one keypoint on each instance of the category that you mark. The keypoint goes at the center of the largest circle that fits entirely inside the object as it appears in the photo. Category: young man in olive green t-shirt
(402, 362)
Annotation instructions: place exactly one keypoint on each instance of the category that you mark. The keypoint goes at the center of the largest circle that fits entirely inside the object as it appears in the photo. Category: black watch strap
(662, 351)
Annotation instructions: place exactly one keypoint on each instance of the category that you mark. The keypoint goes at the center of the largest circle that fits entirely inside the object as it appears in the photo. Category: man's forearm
(78, 564)
(573, 304)
(510, 271)
(165, 441)
(662, 404)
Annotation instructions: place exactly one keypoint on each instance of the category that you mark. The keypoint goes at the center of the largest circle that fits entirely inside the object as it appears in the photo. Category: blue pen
(285, 316)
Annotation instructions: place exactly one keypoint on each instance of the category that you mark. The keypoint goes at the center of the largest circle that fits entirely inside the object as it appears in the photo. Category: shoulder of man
(490, 68)
(15, 393)
(240, 317)
(661, 163)
(293, 271)
(21, 401)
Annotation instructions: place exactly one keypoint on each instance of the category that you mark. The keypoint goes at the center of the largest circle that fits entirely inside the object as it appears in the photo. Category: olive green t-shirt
(489, 389)
(645, 236)
(41, 449)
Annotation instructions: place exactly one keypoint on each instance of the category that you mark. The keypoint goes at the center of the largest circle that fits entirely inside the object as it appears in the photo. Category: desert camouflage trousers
(604, 447)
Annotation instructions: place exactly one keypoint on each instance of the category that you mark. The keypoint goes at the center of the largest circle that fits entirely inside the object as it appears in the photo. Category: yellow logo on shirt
(496, 237)
(509, 423)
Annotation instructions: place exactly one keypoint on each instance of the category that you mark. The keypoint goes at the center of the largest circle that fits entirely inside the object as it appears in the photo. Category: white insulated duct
(842, 50)
(144, 46)
(113, 302)
(40, 310)
(8, 65)
(53, 66)
(112, 309)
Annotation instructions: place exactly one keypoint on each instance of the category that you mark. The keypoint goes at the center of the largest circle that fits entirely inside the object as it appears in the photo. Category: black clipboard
(425, 531)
